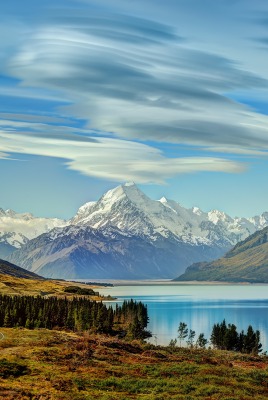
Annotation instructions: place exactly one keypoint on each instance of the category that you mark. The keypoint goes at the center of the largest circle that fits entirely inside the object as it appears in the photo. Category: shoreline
(158, 282)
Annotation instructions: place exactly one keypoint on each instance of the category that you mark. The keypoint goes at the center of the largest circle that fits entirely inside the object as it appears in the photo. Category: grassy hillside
(17, 281)
(32, 287)
(246, 262)
(41, 364)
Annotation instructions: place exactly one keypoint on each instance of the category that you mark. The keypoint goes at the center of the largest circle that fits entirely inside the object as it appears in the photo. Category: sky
(171, 95)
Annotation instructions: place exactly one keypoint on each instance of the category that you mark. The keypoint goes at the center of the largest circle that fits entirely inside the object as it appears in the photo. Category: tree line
(78, 314)
(226, 337)
(223, 337)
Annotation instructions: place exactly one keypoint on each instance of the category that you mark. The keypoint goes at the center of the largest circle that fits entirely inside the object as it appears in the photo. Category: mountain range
(246, 262)
(17, 229)
(123, 235)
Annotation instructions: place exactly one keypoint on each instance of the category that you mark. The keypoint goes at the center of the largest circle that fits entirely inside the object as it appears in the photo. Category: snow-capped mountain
(89, 253)
(127, 208)
(17, 229)
(127, 235)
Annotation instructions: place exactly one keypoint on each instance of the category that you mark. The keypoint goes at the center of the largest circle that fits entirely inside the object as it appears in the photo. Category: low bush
(79, 290)
(12, 368)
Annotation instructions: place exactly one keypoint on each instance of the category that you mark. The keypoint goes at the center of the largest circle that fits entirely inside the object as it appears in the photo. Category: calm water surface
(200, 306)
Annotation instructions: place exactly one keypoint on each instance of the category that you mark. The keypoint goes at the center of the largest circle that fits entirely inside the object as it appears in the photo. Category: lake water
(199, 306)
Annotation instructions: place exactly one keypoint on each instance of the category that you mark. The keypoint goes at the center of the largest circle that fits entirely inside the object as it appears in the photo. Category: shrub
(12, 368)
(79, 290)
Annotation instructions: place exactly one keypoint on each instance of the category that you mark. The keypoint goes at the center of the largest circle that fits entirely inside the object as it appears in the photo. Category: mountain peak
(215, 216)
(10, 213)
(127, 190)
(197, 211)
(127, 184)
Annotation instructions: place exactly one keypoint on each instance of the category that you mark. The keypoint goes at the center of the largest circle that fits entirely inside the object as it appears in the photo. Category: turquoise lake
(199, 306)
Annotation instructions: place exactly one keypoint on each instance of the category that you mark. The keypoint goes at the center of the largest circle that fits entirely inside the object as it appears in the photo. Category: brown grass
(72, 366)
(10, 285)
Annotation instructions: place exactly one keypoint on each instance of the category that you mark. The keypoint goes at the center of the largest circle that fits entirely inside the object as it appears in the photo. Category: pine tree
(215, 337)
(201, 341)
(230, 340)
(258, 346)
(249, 340)
(8, 320)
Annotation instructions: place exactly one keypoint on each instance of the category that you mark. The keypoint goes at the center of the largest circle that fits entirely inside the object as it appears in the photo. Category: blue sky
(171, 95)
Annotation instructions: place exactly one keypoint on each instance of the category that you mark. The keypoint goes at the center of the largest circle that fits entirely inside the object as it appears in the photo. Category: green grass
(68, 366)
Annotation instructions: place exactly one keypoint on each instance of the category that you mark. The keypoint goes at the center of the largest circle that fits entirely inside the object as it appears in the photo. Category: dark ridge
(13, 270)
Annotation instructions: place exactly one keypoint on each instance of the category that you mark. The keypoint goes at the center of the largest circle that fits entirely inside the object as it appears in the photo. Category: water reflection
(199, 307)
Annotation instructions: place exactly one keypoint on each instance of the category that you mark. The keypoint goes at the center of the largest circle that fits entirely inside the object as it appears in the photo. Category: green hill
(246, 262)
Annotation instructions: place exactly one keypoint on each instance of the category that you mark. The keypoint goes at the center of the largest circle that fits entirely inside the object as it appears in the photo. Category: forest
(78, 314)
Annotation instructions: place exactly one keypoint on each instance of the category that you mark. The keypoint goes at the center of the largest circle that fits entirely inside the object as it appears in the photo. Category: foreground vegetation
(76, 359)
(49, 364)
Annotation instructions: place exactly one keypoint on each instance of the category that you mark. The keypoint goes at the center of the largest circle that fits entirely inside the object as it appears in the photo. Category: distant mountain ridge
(16, 229)
(126, 235)
(89, 253)
(246, 262)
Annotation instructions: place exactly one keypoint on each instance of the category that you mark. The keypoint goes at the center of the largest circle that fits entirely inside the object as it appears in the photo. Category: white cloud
(148, 90)
(236, 150)
(113, 159)
(130, 78)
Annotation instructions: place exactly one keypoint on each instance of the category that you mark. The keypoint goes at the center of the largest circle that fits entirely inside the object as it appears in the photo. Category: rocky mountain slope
(246, 262)
(126, 235)
(86, 252)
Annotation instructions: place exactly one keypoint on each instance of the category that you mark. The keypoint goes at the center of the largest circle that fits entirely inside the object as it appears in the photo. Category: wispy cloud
(150, 87)
(237, 150)
(132, 80)
(113, 159)
(34, 118)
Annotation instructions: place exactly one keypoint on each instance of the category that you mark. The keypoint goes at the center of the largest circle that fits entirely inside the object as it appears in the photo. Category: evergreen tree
(257, 348)
(7, 320)
(230, 340)
(201, 341)
(76, 314)
(249, 340)
(252, 341)
(215, 337)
